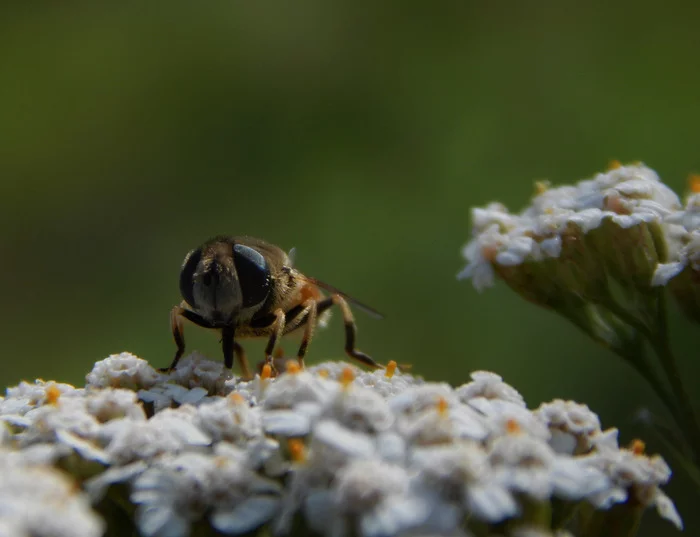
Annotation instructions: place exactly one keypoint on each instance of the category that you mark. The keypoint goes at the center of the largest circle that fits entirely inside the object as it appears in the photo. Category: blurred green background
(359, 133)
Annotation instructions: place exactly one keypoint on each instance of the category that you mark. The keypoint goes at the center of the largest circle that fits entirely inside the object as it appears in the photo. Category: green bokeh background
(361, 134)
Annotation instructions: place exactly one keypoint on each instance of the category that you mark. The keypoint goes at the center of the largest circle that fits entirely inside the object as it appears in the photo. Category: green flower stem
(637, 360)
(661, 344)
(691, 469)
(633, 357)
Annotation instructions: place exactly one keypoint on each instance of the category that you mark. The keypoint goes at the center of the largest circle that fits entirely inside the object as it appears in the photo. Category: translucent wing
(364, 307)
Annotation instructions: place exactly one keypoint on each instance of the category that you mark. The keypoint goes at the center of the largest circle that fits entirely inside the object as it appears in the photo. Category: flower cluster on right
(623, 223)
(603, 253)
(330, 450)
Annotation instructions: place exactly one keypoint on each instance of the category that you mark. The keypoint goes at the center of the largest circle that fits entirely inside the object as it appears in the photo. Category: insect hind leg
(350, 332)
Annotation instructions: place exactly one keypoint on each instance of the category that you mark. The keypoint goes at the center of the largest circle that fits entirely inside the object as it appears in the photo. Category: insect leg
(227, 345)
(277, 331)
(178, 335)
(176, 316)
(350, 331)
(240, 353)
(310, 319)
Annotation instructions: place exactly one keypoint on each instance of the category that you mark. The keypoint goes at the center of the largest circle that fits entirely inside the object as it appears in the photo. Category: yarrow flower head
(680, 271)
(122, 370)
(330, 450)
(40, 501)
(573, 238)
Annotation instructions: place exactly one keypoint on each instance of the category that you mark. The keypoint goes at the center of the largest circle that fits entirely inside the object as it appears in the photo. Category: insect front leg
(277, 329)
(176, 315)
(178, 336)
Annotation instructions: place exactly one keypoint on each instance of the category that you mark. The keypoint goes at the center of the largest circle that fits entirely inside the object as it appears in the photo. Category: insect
(245, 287)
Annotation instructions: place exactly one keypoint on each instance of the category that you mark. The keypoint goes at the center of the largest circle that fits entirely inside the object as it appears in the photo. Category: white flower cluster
(39, 500)
(628, 203)
(331, 449)
(683, 232)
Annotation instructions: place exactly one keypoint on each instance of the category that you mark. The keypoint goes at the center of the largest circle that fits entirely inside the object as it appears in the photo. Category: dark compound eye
(189, 266)
(253, 274)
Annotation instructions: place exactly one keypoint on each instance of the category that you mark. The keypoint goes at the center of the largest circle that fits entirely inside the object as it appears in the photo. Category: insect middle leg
(231, 347)
(307, 316)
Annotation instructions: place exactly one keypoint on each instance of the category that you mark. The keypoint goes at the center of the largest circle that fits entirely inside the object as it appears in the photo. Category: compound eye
(253, 275)
(189, 267)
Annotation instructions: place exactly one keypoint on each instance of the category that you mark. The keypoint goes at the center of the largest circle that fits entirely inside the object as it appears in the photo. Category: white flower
(290, 389)
(164, 396)
(480, 254)
(419, 398)
(290, 423)
(665, 272)
(334, 370)
(333, 444)
(392, 447)
(197, 371)
(689, 217)
(169, 431)
(557, 222)
(360, 409)
(122, 371)
(25, 396)
(493, 213)
(384, 385)
(178, 491)
(499, 416)
(528, 465)
(264, 455)
(637, 476)
(229, 418)
(443, 424)
(571, 424)
(66, 423)
(110, 404)
(380, 455)
(42, 502)
(373, 497)
(490, 386)
(461, 472)
(97, 486)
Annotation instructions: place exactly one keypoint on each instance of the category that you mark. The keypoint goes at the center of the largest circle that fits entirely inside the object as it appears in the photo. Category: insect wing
(364, 307)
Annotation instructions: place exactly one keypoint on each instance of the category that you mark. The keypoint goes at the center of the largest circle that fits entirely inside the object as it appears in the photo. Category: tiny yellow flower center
(614, 165)
(293, 367)
(266, 372)
(52, 394)
(390, 369)
(443, 407)
(236, 398)
(694, 182)
(513, 427)
(637, 447)
(541, 187)
(297, 450)
(489, 253)
(346, 377)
